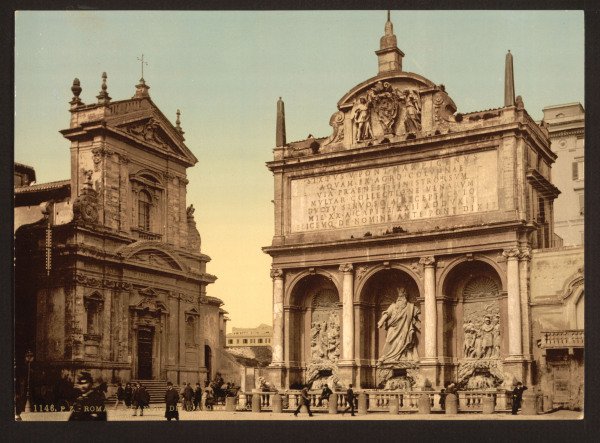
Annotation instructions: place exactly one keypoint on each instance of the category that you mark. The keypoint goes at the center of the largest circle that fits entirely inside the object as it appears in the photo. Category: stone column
(515, 348)
(277, 276)
(348, 312)
(430, 307)
(429, 363)
(276, 370)
(346, 365)
(524, 258)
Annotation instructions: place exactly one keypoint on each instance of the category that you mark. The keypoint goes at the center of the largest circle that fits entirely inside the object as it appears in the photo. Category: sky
(225, 72)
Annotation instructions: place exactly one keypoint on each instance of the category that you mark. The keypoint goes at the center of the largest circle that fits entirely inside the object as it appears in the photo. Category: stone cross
(143, 63)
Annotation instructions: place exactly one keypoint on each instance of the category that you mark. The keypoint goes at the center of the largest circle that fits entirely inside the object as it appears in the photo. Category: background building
(109, 273)
(566, 126)
(259, 336)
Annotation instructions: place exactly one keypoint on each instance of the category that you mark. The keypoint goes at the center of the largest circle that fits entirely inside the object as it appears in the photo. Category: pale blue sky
(225, 71)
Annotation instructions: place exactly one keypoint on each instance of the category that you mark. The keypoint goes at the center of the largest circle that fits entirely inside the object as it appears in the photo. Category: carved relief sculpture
(337, 123)
(85, 206)
(412, 102)
(361, 118)
(400, 321)
(385, 102)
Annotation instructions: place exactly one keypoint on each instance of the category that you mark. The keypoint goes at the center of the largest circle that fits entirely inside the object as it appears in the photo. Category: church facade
(403, 242)
(109, 273)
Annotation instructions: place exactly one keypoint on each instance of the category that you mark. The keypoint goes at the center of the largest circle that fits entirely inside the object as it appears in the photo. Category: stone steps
(156, 389)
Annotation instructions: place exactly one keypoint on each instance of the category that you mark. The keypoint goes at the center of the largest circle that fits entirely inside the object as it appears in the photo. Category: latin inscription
(443, 187)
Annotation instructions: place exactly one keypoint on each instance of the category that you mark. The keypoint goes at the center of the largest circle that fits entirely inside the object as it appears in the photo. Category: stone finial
(389, 56)
(76, 89)
(103, 97)
(280, 128)
(509, 81)
(141, 89)
(178, 123)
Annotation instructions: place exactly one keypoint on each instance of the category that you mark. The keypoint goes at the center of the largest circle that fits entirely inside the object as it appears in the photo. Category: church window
(190, 331)
(93, 314)
(144, 211)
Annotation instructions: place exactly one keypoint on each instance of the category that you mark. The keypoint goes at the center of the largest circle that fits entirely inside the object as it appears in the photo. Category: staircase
(156, 389)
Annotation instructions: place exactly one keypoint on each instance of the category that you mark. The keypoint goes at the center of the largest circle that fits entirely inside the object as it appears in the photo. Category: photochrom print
(299, 215)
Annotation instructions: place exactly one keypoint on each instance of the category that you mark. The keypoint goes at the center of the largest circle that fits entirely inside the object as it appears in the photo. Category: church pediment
(157, 258)
(152, 253)
(153, 130)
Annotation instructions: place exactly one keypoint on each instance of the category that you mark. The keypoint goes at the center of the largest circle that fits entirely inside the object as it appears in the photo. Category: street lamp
(28, 360)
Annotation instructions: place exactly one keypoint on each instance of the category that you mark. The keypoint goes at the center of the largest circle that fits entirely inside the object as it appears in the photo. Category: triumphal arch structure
(401, 252)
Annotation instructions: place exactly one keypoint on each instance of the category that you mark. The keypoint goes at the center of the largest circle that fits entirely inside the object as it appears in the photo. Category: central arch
(377, 293)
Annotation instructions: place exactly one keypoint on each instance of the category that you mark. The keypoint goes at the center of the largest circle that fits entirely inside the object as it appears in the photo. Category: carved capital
(346, 268)
(511, 254)
(525, 254)
(428, 261)
(276, 273)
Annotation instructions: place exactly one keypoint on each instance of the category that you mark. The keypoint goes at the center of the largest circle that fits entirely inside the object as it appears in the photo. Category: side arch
(447, 270)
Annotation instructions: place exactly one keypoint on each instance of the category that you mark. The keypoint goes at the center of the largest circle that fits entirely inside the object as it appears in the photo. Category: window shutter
(575, 171)
(581, 204)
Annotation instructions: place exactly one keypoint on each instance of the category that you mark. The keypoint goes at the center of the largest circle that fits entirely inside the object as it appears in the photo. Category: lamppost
(28, 360)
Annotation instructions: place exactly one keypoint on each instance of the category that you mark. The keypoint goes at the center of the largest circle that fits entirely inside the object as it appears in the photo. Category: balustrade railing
(378, 400)
(562, 339)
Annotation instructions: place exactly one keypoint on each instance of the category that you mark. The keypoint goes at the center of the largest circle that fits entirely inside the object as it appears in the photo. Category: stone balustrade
(562, 339)
(379, 400)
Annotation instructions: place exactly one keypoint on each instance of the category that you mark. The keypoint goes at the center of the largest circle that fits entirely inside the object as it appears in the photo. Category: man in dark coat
(171, 400)
(517, 397)
(443, 399)
(89, 406)
(325, 393)
(188, 395)
(141, 400)
(349, 400)
(128, 395)
(304, 401)
(120, 395)
(197, 397)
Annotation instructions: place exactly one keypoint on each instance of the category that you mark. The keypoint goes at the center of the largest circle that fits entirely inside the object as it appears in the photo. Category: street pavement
(156, 413)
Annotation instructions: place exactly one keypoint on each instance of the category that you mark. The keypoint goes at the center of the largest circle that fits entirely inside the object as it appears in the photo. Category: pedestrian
(128, 395)
(325, 393)
(304, 401)
(443, 399)
(208, 396)
(517, 397)
(349, 400)
(141, 399)
(120, 395)
(89, 406)
(171, 400)
(188, 395)
(197, 397)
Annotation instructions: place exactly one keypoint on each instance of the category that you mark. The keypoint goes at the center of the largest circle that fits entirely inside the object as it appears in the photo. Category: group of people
(326, 392)
(133, 395)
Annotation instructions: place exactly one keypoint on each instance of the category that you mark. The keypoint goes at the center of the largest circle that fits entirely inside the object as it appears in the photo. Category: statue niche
(399, 353)
(481, 366)
(324, 340)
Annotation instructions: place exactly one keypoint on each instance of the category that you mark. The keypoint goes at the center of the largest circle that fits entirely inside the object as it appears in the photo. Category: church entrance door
(145, 336)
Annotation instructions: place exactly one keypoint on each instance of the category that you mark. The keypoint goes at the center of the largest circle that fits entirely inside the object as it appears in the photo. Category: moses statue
(400, 321)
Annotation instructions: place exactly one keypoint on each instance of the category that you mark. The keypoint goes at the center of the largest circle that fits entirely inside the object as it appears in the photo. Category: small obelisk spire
(509, 81)
(103, 97)
(389, 56)
(280, 130)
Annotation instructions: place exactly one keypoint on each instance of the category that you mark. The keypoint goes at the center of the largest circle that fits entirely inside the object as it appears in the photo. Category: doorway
(145, 338)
